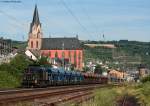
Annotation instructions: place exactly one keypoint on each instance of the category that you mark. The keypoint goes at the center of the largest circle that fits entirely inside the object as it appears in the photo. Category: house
(5, 47)
(115, 75)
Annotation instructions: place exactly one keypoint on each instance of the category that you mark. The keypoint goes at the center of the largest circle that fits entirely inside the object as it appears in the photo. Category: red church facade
(74, 56)
(62, 48)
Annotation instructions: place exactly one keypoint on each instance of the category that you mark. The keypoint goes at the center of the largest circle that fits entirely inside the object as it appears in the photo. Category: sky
(89, 19)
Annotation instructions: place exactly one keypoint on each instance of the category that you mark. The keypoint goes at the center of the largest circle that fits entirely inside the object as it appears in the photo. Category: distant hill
(126, 52)
(19, 44)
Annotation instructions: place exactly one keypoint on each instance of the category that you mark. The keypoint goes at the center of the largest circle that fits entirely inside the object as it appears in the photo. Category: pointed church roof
(36, 19)
(36, 16)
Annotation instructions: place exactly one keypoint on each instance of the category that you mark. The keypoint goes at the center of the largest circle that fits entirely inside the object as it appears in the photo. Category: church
(63, 48)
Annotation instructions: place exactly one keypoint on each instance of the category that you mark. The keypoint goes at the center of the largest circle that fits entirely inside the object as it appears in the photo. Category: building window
(37, 43)
(56, 54)
(31, 44)
(50, 54)
(75, 59)
(79, 58)
(69, 54)
(63, 54)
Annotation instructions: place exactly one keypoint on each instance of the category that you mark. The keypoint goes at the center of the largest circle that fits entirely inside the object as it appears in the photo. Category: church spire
(35, 33)
(36, 17)
(36, 20)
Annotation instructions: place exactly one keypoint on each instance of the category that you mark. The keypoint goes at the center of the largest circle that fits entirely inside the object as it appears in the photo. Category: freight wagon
(43, 76)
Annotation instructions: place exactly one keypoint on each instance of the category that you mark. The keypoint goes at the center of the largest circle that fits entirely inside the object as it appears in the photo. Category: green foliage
(145, 79)
(98, 53)
(56, 54)
(105, 97)
(98, 69)
(85, 69)
(129, 51)
(18, 64)
(143, 93)
(110, 96)
(11, 73)
(72, 67)
(75, 61)
(43, 61)
(146, 89)
(7, 80)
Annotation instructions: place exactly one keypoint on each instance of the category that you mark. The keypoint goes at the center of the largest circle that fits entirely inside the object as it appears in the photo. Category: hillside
(19, 44)
(130, 53)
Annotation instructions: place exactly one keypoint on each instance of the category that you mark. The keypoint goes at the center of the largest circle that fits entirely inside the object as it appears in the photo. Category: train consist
(43, 76)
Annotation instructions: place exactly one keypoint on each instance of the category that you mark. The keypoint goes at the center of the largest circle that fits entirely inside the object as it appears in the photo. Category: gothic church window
(37, 43)
(31, 44)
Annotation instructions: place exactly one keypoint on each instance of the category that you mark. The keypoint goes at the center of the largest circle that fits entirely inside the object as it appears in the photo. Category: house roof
(60, 44)
(36, 53)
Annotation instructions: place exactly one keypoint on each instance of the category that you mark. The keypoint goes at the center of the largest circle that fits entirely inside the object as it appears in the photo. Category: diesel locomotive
(43, 76)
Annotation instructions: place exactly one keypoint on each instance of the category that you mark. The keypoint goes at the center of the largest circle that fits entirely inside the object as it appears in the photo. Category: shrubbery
(145, 79)
(11, 73)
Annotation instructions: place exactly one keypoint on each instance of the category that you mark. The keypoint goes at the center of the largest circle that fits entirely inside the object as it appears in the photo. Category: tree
(98, 69)
(43, 61)
(69, 56)
(79, 59)
(72, 67)
(11, 73)
(75, 63)
(85, 69)
(56, 54)
(18, 64)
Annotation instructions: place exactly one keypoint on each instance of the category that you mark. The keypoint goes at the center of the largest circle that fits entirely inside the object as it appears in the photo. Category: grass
(7, 80)
(111, 96)
(143, 93)
(103, 97)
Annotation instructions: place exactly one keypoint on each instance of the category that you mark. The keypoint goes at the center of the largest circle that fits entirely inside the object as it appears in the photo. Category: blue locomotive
(43, 76)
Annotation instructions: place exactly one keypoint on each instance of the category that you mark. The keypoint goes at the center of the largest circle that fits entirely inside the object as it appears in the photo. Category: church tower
(35, 33)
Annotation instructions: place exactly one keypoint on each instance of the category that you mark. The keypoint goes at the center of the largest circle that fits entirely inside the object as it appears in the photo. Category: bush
(143, 93)
(11, 73)
(105, 97)
(98, 69)
(7, 80)
(145, 79)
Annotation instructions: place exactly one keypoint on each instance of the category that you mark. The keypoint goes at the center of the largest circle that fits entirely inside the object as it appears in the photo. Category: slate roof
(36, 19)
(60, 44)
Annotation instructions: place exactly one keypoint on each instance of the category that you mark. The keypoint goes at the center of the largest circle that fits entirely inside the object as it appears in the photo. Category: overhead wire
(90, 20)
(74, 16)
(67, 8)
(13, 19)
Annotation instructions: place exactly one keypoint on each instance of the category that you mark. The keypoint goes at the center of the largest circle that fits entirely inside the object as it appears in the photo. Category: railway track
(19, 90)
(128, 100)
(47, 96)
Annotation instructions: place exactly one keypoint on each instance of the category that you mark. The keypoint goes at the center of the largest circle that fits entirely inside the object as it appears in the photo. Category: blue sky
(117, 19)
